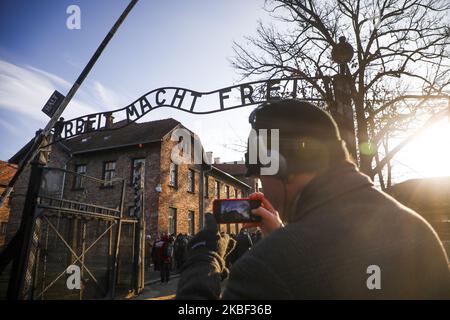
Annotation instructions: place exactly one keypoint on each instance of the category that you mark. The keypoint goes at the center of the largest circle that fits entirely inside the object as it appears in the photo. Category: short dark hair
(309, 136)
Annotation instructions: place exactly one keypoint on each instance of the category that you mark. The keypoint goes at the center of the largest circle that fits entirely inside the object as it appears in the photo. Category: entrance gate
(69, 231)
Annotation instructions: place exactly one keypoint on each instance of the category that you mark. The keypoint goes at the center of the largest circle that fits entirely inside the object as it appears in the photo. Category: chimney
(217, 160)
(209, 155)
(109, 120)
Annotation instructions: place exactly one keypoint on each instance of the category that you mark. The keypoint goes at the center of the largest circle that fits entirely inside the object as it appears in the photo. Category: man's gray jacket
(347, 240)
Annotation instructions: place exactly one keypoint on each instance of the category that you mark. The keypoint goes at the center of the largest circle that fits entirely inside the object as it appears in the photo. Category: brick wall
(108, 196)
(185, 201)
(177, 197)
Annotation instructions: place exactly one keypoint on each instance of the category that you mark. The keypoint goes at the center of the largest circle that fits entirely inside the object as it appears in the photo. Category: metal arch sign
(191, 101)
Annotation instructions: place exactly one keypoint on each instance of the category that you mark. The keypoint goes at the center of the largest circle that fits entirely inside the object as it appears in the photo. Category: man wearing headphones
(343, 238)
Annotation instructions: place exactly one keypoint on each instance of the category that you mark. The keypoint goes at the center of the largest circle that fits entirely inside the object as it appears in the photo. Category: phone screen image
(235, 210)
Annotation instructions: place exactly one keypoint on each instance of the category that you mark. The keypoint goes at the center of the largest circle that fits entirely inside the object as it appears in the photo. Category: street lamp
(342, 54)
(342, 110)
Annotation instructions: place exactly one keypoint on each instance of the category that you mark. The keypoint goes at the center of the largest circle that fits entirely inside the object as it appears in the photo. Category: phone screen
(235, 210)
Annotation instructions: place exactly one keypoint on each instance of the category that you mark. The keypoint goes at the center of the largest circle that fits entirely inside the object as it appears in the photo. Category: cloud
(108, 97)
(9, 126)
(25, 89)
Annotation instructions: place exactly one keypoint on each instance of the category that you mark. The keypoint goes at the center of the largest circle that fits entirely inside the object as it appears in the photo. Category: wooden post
(114, 273)
(83, 249)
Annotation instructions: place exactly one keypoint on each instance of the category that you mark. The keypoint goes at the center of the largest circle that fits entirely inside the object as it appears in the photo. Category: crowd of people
(168, 253)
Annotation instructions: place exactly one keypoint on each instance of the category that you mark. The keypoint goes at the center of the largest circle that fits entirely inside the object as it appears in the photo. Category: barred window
(191, 222)
(217, 190)
(3, 228)
(136, 162)
(173, 175)
(206, 186)
(172, 221)
(79, 180)
(109, 172)
(191, 180)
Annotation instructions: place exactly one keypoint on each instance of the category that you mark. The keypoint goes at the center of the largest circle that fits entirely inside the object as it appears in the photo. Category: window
(206, 186)
(3, 228)
(235, 193)
(134, 166)
(79, 180)
(173, 175)
(217, 190)
(109, 172)
(172, 221)
(227, 192)
(131, 211)
(191, 222)
(236, 228)
(228, 228)
(191, 180)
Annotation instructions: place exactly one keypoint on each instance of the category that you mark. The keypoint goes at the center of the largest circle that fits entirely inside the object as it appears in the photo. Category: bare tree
(401, 62)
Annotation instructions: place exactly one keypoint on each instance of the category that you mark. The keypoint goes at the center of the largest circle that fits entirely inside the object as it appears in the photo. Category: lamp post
(342, 110)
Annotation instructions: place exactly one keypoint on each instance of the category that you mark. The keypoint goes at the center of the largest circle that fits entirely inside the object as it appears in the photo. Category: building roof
(227, 175)
(424, 193)
(7, 171)
(132, 134)
(235, 169)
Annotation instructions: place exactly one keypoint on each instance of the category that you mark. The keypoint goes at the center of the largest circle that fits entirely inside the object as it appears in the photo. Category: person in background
(243, 244)
(157, 244)
(148, 251)
(180, 250)
(165, 256)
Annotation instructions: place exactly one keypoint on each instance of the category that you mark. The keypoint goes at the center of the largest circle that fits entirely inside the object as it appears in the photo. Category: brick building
(6, 173)
(176, 196)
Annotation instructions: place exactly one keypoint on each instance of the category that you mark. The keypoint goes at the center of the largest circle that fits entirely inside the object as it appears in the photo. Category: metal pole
(44, 271)
(143, 234)
(38, 244)
(16, 280)
(33, 151)
(139, 238)
(201, 191)
(343, 111)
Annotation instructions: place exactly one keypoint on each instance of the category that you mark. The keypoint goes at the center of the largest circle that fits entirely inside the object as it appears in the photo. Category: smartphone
(235, 210)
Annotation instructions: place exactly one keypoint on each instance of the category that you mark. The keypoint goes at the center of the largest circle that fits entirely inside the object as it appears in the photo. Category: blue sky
(161, 43)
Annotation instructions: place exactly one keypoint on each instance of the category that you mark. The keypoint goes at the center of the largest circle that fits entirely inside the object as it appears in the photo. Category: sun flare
(429, 154)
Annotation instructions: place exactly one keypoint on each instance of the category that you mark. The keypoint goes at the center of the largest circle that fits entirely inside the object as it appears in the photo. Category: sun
(429, 154)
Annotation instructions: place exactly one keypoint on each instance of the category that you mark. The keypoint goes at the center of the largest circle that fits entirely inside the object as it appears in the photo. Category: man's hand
(211, 238)
(270, 219)
(205, 267)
